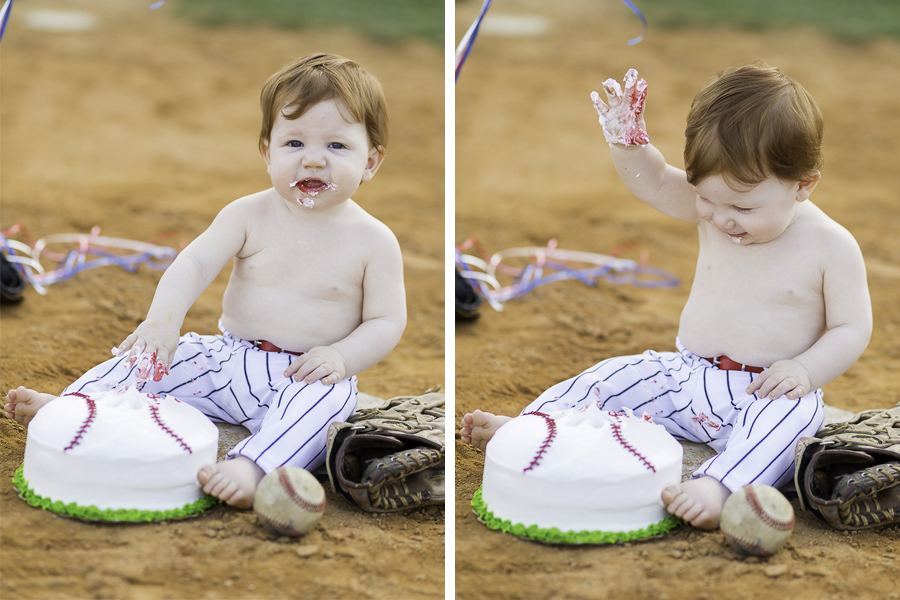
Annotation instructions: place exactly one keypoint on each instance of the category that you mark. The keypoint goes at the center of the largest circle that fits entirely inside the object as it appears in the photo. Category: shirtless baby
(779, 305)
(315, 296)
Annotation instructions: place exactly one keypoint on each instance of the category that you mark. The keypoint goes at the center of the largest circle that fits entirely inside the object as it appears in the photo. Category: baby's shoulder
(828, 234)
(368, 229)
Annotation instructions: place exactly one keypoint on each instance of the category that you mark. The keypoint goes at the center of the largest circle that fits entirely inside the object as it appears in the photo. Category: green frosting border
(92, 513)
(555, 536)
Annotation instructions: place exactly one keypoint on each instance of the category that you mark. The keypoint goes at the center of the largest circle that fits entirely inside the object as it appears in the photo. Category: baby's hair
(300, 85)
(750, 123)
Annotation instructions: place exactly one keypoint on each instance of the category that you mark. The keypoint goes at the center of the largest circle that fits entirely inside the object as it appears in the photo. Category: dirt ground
(531, 165)
(145, 125)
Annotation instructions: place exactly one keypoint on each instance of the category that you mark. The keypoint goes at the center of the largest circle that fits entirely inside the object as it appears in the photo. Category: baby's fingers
(613, 92)
(599, 105)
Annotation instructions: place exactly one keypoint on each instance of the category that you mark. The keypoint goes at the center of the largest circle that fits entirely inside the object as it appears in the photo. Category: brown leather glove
(391, 457)
(850, 472)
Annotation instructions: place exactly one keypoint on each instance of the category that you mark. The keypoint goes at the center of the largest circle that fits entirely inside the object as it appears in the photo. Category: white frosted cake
(120, 450)
(580, 471)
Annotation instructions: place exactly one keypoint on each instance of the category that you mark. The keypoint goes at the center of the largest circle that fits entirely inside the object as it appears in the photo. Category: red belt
(726, 364)
(266, 346)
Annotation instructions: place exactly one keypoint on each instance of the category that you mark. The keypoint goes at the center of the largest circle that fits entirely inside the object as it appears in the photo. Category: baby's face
(319, 159)
(753, 216)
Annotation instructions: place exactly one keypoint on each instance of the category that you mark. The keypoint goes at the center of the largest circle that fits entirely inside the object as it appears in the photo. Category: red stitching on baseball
(551, 435)
(285, 482)
(617, 432)
(279, 526)
(154, 411)
(747, 545)
(92, 412)
(756, 507)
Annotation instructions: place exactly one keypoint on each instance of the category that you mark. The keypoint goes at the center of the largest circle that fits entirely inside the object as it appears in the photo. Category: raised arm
(641, 166)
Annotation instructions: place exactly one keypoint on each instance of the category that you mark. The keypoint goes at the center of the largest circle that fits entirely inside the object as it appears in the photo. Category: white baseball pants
(231, 381)
(754, 437)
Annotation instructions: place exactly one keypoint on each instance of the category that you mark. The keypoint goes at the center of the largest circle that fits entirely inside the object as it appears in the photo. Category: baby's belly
(752, 337)
(290, 322)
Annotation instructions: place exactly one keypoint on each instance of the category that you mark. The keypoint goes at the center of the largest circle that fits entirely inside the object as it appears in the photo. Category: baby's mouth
(313, 185)
(737, 238)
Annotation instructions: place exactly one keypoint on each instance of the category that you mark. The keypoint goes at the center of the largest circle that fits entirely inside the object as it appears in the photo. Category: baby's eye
(336, 146)
(295, 144)
(742, 210)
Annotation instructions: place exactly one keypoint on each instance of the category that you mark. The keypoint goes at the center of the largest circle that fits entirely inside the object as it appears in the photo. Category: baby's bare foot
(479, 427)
(22, 404)
(697, 501)
(233, 481)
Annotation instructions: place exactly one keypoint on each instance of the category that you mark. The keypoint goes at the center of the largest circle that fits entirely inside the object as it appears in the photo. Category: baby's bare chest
(322, 266)
(762, 279)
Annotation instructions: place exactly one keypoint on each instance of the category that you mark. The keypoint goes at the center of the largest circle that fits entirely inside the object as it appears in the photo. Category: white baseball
(289, 501)
(757, 519)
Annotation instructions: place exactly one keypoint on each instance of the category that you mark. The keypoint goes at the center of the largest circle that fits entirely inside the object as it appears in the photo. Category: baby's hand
(322, 363)
(623, 119)
(783, 378)
(152, 347)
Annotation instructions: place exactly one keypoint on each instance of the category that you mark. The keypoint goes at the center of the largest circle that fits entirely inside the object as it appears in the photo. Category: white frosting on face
(130, 451)
(735, 238)
(585, 479)
(306, 197)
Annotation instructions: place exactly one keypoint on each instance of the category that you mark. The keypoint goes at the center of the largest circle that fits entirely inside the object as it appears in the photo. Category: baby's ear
(805, 188)
(376, 157)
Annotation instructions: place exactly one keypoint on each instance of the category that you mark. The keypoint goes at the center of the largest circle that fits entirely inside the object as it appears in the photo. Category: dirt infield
(145, 125)
(531, 165)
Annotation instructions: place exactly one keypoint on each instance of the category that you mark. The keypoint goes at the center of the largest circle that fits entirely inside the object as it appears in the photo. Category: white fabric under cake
(132, 451)
(599, 472)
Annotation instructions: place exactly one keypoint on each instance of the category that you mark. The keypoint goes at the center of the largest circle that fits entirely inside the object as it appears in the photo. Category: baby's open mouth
(313, 186)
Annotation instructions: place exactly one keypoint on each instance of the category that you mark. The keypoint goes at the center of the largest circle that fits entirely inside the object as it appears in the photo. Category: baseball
(289, 501)
(757, 519)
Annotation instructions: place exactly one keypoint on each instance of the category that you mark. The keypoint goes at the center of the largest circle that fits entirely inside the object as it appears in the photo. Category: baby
(315, 296)
(779, 306)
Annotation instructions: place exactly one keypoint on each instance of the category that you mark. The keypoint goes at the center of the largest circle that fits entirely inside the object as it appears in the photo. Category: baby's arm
(641, 166)
(848, 322)
(193, 270)
(383, 320)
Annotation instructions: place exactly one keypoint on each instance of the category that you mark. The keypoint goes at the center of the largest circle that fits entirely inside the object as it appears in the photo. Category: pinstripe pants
(231, 381)
(754, 437)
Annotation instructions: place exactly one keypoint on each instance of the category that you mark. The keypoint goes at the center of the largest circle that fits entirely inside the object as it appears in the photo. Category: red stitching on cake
(154, 411)
(551, 435)
(756, 507)
(92, 412)
(617, 432)
(285, 482)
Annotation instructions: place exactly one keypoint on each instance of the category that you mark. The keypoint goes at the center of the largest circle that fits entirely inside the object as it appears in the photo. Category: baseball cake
(119, 455)
(579, 476)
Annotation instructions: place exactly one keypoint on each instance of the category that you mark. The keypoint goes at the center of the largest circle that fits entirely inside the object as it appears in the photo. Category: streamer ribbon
(551, 264)
(468, 40)
(27, 257)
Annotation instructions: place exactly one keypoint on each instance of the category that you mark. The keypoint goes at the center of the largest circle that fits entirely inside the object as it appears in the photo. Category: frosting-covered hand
(151, 349)
(623, 118)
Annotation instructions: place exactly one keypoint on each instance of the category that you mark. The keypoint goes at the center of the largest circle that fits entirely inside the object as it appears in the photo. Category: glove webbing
(858, 512)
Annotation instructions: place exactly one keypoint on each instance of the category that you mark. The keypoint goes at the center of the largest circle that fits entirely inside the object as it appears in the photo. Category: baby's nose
(724, 223)
(313, 159)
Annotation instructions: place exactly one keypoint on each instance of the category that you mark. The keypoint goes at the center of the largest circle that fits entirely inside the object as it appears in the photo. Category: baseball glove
(391, 457)
(849, 474)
